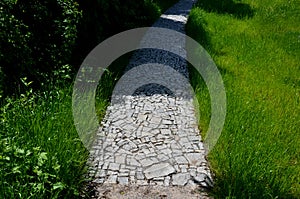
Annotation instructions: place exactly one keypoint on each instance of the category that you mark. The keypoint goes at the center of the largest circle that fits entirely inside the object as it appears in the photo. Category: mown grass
(257, 53)
(41, 155)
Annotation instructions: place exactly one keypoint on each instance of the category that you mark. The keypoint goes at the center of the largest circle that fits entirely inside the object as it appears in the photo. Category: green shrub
(39, 36)
(36, 37)
(41, 155)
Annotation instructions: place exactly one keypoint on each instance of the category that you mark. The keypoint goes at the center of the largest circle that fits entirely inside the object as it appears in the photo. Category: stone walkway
(152, 137)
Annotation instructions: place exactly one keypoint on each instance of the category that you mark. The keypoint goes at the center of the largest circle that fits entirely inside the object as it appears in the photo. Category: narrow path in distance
(149, 145)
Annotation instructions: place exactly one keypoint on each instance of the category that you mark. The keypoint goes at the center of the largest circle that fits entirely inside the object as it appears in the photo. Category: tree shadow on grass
(195, 28)
(238, 10)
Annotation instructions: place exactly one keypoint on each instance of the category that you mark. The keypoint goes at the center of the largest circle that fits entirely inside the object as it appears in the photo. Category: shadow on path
(153, 89)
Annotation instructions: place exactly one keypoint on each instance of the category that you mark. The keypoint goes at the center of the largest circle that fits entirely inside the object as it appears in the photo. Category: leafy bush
(37, 37)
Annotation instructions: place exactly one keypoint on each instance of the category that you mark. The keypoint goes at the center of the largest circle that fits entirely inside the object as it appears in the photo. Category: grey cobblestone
(180, 179)
(152, 137)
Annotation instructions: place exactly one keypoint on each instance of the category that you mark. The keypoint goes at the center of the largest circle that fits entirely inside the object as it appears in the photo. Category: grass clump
(257, 53)
(41, 155)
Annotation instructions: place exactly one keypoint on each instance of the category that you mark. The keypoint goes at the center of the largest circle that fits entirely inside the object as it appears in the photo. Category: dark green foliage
(41, 155)
(39, 36)
(36, 38)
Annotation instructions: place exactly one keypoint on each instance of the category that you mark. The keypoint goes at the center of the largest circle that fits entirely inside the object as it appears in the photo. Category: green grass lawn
(256, 46)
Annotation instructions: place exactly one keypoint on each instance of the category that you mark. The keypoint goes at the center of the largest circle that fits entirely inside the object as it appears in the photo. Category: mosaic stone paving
(152, 137)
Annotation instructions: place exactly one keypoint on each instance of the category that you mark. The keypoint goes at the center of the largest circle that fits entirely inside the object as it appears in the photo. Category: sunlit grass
(41, 155)
(257, 155)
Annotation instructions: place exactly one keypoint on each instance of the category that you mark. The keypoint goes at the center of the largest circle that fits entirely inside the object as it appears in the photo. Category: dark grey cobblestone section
(152, 138)
(174, 18)
(145, 56)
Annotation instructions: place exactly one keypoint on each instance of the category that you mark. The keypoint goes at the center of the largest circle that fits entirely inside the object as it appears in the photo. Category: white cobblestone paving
(152, 137)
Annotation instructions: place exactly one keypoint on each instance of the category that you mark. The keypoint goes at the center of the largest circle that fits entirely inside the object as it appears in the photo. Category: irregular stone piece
(133, 162)
(120, 159)
(159, 170)
(165, 131)
(140, 176)
(112, 179)
(123, 180)
(146, 162)
(181, 160)
(180, 179)
(200, 177)
(114, 166)
(203, 180)
(142, 117)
